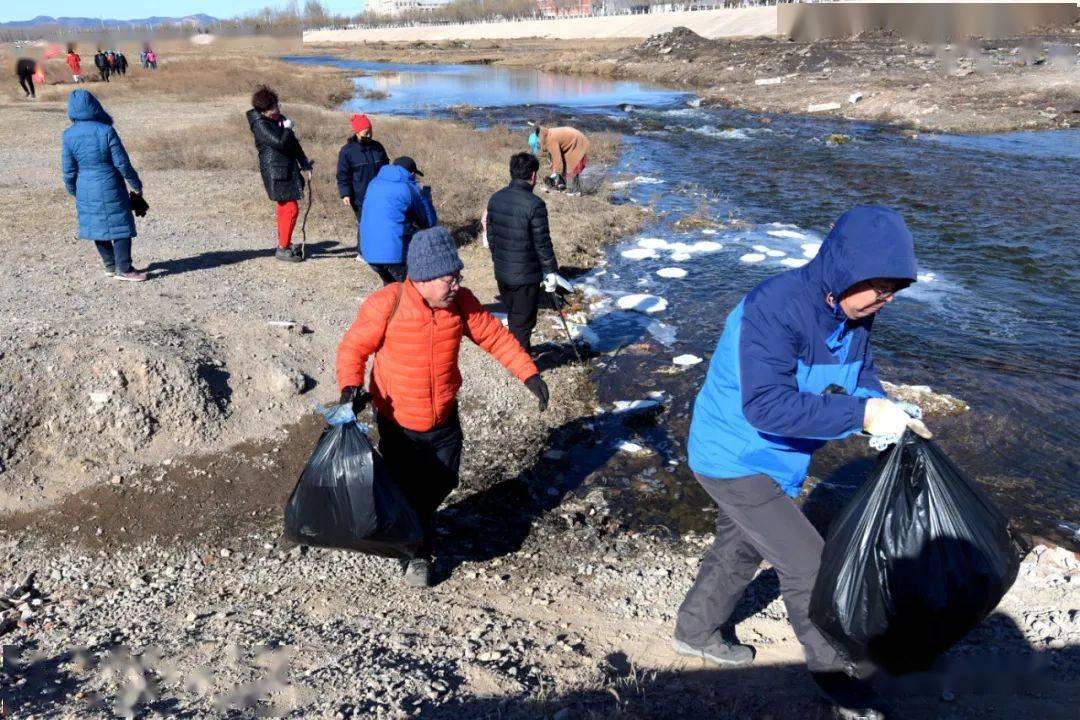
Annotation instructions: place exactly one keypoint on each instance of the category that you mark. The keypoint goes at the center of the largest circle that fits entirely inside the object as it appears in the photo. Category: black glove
(538, 388)
(359, 397)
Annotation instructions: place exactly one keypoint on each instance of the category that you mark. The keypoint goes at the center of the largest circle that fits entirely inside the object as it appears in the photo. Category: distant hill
(92, 23)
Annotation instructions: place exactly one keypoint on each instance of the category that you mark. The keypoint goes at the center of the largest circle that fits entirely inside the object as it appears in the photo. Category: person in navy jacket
(394, 208)
(792, 370)
(359, 161)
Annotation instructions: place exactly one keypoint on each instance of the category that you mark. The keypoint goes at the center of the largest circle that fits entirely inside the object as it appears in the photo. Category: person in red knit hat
(359, 161)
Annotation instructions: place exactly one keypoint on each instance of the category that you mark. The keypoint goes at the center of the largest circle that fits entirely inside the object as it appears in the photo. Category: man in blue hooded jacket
(394, 208)
(793, 369)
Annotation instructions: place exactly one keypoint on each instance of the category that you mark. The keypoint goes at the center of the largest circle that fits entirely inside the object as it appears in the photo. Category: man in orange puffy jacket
(414, 329)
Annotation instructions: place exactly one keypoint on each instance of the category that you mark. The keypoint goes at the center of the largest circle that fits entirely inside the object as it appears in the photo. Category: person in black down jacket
(358, 163)
(24, 69)
(283, 165)
(517, 231)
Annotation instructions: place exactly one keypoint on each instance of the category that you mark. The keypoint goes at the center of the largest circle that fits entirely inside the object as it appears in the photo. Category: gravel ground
(153, 582)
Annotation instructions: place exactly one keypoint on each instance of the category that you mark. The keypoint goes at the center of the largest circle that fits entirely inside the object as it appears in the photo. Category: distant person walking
(359, 161)
(394, 208)
(520, 243)
(74, 62)
(24, 70)
(110, 61)
(569, 151)
(102, 65)
(151, 59)
(283, 165)
(95, 166)
(121, 63)
(142, 59)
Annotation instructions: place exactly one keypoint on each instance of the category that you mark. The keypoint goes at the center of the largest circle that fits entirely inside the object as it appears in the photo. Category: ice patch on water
(775, 253)
(794, 262)
(654, 243)
(645, 180)
(634, 406)
(638, 253)
(926, 277)
(619, 184)
(810, 249)
(686, 360)
(680, 256)
(629, 447)
(708, 231)
(706, 246)
(586, 334)
(787, 234)
(752, 257)
(663, 333)
(671, 272)
(642, 302)
(760, 248)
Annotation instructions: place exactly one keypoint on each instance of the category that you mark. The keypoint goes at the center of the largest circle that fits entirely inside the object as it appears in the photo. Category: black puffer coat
(517, 231)
(280, 157)
(359, 161)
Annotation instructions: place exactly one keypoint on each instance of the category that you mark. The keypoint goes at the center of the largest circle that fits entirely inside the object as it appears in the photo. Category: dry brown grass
(463, 165)
(193, 78)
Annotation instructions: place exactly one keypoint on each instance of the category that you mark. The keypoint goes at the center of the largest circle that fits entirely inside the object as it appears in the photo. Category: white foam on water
(645, 180)
(680, 256)
(926, 277)
(642, 302)
(619, 184)
(726, 134)
(671, 272)
(810, 249)
(638, 253)
(760, 248)
(775, 253)
(706, 246)
(708, 231)
(686, 360)
(752, 257)
(794, 262)
(787, 234)
(654, 243)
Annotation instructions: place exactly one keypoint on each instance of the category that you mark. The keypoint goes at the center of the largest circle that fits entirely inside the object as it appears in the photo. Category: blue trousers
(116, 254)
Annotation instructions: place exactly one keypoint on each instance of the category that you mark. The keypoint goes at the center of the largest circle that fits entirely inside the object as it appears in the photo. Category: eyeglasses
(452, 280)
(880, 293)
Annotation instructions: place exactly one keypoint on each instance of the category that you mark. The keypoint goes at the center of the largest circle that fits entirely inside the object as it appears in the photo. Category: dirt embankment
(979, 85)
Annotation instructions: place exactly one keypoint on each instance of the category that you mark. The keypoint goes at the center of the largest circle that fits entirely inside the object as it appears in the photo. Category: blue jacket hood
(82, 105)
(865, 243)
(395, 173)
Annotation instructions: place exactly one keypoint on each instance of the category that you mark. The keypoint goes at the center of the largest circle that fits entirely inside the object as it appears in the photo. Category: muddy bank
(978, 86)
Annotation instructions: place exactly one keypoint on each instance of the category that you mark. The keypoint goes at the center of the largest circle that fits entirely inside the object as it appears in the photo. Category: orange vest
(415, 377)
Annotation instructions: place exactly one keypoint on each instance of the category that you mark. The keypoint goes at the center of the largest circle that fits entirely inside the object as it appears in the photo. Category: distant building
(394, 8)
(567, 8)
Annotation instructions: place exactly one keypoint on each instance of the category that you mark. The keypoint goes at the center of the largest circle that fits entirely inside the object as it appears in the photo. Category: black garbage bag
(918, 558)
(346, 499)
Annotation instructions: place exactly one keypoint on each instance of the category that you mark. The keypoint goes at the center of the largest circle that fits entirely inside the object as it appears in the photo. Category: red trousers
(287, 212)
(578, 170)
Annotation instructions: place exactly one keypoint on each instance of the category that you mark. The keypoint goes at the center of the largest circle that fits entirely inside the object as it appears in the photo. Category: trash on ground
(823, 107)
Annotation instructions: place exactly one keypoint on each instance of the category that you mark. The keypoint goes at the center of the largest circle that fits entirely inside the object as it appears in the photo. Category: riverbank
(1027, 82)
(170, 548)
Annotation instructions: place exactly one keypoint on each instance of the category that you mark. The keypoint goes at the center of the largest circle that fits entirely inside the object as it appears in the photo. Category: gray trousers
(756, 521)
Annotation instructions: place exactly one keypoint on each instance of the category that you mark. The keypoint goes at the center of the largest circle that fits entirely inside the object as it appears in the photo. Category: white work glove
(286, 123)
(885, 421)
(551, 282)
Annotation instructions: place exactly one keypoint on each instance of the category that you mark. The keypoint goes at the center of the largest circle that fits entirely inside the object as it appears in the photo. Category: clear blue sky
(127, 9)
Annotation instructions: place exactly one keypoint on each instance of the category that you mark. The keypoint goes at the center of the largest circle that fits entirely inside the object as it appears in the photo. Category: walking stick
(566, 327)
(303, 223)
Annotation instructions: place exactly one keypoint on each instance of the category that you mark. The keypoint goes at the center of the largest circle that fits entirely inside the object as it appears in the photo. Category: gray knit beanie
(432, 254)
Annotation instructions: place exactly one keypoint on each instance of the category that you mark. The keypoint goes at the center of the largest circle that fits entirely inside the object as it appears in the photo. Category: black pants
(104, 72)
(424, 465)
(26, 82)
(389, 272)
(756, 521)
(521, 302)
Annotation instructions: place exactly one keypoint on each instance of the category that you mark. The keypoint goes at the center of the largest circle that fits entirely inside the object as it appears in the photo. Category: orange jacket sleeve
(487, 332)
(364, 337)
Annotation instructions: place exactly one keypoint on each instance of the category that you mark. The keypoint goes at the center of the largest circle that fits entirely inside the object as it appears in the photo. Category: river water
(992, 320)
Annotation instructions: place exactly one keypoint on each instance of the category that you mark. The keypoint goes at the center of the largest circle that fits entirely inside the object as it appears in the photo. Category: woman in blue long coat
(95, 167)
